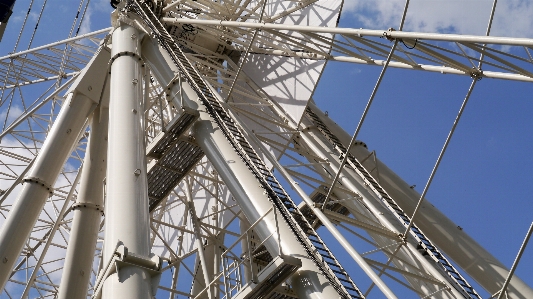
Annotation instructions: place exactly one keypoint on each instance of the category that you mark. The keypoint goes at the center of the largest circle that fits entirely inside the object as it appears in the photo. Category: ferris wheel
(190, 150)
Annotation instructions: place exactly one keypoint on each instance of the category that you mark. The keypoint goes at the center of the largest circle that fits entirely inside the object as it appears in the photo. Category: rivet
(90, 88)
(4, 260)
(68, 131)
(137, 172)
(133, 36)
(134, 111)
(134, 81)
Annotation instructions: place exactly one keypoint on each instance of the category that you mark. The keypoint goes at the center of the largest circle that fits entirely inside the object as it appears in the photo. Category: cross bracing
(505, 58)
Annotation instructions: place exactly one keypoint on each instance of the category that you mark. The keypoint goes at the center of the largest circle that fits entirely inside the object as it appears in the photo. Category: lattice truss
(217, 37)
(504, 58)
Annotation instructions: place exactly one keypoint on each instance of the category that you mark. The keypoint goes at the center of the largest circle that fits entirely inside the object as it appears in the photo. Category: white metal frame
(41, 64)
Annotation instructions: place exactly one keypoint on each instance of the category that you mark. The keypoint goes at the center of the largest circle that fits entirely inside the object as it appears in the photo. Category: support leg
(88, 212)
(40, 180)
(307, 282)
(127, 217)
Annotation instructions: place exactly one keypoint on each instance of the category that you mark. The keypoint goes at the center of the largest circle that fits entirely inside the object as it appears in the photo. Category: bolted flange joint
(125, 53)
(84, 205)
(38, 181)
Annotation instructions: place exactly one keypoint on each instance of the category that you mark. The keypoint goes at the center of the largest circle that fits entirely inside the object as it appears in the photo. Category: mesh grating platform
(176, 155)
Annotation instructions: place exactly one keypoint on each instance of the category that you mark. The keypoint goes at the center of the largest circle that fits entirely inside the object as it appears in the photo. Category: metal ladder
(423, 242)
(304, 233)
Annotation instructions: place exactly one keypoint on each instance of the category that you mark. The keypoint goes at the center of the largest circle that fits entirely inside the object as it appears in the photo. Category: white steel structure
(179, 154)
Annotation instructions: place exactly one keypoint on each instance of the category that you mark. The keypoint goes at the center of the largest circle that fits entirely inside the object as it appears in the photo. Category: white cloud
(14, 112)
(34, 16)
(86, 24)
(512, 18)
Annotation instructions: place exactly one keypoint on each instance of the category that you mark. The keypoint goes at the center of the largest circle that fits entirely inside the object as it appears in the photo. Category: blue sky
(484, 183)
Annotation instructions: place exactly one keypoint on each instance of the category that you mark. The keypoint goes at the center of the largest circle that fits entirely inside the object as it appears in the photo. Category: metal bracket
(270, 278)
(476, 73)
(122, 258)
(386, 34)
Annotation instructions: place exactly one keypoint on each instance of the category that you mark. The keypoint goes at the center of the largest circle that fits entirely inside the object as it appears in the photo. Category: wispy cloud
(86, 24)
(14, 113)
(95, 8)
(512, 18)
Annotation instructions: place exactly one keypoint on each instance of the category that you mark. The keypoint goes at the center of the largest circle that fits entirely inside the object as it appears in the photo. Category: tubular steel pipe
(509, 41)
(127, 216)
(87, 212)
(40, 180)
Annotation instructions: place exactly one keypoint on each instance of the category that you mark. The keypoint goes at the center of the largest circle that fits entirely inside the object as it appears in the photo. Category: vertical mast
(126, 207)
(89, 205)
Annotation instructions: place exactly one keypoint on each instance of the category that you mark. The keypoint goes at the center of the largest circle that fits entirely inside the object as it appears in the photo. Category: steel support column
(38, 184)
(126, 207)
(88, 211)
(307, 282)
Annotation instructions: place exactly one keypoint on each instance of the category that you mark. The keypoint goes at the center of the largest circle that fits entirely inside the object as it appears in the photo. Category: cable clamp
(387, 35)
(476, 73)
